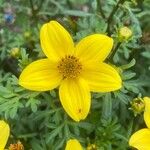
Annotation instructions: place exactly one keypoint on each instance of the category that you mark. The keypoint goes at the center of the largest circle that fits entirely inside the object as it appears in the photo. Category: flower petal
(75, 98)
(55, 40)
(147, 111)
(73, 144)
(41, 75)
(140, 139)
(101, 77)
(94, 47)
(4, 134)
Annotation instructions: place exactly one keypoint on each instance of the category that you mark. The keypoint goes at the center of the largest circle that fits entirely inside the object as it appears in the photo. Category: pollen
(70, 67)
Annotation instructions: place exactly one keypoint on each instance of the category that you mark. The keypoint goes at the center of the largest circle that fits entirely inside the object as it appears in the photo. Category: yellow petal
(55, 40)
(94, 47)
(4, 134)
(140, 139)
(75, 98)
(101, 77)
(147, 111)
(41, 75)
(73, 144)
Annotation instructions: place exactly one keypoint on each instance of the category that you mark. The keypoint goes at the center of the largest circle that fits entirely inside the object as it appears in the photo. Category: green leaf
(54, 133)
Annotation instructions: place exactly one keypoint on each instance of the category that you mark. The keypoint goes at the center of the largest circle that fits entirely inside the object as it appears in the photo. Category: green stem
(112, 54)
(34, 11)
(32, 5)
(40, 5)
(99, 8)
(110, 18)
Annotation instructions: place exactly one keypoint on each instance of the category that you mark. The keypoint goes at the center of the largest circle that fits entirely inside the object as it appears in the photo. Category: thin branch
(40, 5)
(32, 5)
(99, 8)
(110, 18)
(112, 54)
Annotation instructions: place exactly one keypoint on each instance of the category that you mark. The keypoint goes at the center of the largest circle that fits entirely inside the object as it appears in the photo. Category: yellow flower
(76, 69)
(73, 144)
(4, 134)
(141, 138)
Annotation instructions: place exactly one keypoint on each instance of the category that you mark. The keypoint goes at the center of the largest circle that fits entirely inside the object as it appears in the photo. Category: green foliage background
(37, 119)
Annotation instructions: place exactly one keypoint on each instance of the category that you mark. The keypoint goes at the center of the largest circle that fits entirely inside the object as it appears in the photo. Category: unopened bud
(124, 34)
(137, 105)
(91, 147)
(14, 52)
(27, 34)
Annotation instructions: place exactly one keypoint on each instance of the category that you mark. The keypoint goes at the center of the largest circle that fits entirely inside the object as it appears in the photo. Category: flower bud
(124, 34)
(91, 147)
(137, 105)
(14, 52)
(27, 34)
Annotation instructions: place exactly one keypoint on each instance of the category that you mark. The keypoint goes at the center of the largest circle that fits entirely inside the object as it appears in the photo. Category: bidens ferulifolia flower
(4, 134)
(141, 138)
(73, 144)
(76, 69)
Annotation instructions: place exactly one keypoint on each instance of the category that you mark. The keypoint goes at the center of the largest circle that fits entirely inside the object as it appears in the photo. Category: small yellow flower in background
(4, 134)
(124, 33)
(17, 146)
(73, 144)
(141, 138)
(76, 69)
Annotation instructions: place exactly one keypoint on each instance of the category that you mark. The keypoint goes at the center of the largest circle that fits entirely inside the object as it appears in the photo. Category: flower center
(69, 66)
